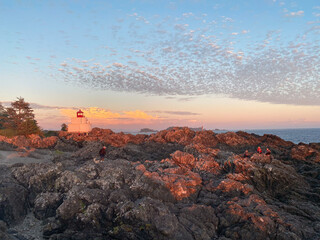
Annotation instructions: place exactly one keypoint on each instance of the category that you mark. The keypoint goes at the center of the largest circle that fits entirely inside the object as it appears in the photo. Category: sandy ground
(25, 156)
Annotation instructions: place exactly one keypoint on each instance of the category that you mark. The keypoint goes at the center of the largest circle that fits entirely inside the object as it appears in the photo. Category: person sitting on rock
(246, 154)
(102, 153)
(268, 152)
(259, 150)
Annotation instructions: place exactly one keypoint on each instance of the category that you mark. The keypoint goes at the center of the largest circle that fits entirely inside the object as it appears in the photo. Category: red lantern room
(80, 114)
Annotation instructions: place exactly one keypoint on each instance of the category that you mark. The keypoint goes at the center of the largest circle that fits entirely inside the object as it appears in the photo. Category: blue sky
(123, 56)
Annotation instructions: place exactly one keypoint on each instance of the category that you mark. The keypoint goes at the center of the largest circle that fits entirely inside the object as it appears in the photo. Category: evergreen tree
(3, 116)
(21, 117)
(19, 112)
(28, 127)
(64, 127)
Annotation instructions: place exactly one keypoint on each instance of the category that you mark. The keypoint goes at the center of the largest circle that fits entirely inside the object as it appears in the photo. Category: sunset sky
(130, 64)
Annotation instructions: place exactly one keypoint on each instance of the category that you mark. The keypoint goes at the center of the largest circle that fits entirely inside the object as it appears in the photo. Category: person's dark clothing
(268, 152)
(102, 152)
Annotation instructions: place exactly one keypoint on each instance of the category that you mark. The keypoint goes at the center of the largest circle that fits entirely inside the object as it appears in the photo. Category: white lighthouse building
(79, 124)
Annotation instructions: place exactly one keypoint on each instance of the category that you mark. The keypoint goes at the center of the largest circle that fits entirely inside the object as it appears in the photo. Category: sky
(130, 64)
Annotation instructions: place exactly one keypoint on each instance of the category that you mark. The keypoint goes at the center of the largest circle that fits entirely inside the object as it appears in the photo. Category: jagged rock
(90, 150)
(31, 141)
(182, 182)
(153, 216)
(3, 231)
(5, 146)
(83, 206)
(303, 152)
(13, 198)
(175, 184)
(37, 178)
(45, 204)
(67, 179)
(66, 145)
(200, 221)
(205, 163)
(239, 219)
(37, 142)
(207, 139)
(232, 139)
(176, 135)
(53, 227)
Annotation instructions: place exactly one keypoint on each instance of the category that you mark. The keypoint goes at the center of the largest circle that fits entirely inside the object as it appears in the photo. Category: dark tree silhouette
(3, 116)
(64, 127)
(21, 118)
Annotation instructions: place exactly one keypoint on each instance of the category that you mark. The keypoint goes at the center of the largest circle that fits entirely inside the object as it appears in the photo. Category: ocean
(295, 135)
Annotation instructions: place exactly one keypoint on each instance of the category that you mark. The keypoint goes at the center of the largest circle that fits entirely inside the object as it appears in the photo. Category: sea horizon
(295, 135)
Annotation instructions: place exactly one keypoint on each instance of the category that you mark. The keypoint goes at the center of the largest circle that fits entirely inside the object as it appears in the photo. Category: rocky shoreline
(174, 184)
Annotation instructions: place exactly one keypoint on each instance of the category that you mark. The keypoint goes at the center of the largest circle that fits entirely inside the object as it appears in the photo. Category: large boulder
(13, 198)
(304, 152)
(66, 145)
(38, 142)
(46, 204)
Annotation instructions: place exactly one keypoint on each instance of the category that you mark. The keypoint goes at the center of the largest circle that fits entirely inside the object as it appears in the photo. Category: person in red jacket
(259, 150)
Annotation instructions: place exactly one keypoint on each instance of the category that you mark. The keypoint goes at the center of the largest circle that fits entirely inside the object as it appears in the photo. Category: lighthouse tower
(79, 124)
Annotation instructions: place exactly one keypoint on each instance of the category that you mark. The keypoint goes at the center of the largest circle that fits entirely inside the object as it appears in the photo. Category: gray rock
(46, 204)
(13, 198)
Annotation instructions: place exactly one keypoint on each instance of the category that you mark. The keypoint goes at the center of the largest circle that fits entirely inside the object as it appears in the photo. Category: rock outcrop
(175, 184)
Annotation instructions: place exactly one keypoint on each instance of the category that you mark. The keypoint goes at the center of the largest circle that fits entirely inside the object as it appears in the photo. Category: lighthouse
(79, 124)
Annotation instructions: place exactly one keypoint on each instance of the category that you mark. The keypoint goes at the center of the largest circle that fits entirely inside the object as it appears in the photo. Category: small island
(145, 130)
(196, 129)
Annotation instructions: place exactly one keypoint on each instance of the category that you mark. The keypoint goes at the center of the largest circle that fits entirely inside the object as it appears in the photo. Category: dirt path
(9, 158)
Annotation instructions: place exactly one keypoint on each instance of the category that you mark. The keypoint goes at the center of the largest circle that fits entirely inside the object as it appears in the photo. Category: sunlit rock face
(175, 184)
(79, 124)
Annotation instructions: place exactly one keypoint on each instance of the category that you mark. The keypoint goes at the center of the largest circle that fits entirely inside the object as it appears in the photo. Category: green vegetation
(115, 230)
(83, 206)
(50, 133)
(18, 119)
(58, 153)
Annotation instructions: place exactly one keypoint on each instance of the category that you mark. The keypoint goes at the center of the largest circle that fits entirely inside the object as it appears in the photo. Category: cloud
(97, 114)
(92, 112)
(295, 14)
(183, 113)
(39, 106)
(191, 62)
(139, 115)
(36, 106)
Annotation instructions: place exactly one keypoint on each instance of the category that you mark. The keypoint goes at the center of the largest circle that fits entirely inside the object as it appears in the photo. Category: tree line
(18, 119)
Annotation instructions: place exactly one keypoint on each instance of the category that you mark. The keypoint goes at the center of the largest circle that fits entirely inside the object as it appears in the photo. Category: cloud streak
(181, 113)
(295, 14)
(97, 114)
